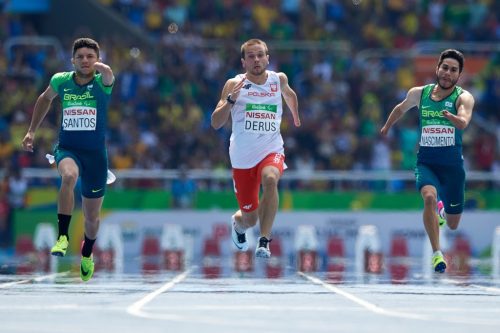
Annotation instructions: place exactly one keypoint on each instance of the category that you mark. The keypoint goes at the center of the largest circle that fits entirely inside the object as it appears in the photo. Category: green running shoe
(440, 214)
(61, 246)
(86, 268)
(438, 263)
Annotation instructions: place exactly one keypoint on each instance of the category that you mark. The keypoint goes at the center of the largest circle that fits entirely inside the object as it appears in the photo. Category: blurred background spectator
(349, 64)
(13, 196)
(5, 216)
(183, 190)
(17, 188)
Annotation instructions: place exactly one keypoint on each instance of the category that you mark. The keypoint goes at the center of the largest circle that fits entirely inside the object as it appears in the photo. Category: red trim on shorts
(247, 181)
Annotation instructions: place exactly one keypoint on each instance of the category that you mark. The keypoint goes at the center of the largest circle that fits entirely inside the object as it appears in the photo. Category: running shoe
(86, 268)
(262, 250)
(440, 214)
(61, 246)
(240, 240)
(438, 263)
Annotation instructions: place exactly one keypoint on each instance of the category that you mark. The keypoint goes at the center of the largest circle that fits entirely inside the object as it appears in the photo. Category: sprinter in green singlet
(81, 152)
(445, 111)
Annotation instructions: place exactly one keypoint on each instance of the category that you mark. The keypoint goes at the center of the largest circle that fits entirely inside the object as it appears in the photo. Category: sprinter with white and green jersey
(80, 152)
(445, 111)
(253, 101)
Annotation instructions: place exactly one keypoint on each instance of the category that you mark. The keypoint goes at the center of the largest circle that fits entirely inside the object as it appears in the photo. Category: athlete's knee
(270, 180)
(69, 178)
(453, 221)
(429, 198)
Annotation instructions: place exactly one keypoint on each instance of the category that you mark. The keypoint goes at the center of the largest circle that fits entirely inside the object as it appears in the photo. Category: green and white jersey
(256, 120)
(440, 141)
(84, 111)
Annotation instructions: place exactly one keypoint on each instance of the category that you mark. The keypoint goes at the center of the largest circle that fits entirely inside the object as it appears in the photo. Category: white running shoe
(262, 250)
(240, 240)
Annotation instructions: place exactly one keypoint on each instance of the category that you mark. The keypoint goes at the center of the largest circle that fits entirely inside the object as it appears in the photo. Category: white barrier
(43, 239)
(476, 226)
(367, 240)
(173, 247)
(110, 237)
(305, 238)
(306, 248)
(172, 237)
(495, 255)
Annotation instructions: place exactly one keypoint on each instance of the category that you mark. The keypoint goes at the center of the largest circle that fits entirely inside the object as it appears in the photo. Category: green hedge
(135, 199)
(157, 199)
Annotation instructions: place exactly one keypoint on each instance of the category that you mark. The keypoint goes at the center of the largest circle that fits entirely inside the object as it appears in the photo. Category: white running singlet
(256, 120)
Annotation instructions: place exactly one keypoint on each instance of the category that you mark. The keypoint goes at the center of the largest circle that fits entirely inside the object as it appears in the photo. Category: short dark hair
(253, 41)
(454, 54)
(85, 42)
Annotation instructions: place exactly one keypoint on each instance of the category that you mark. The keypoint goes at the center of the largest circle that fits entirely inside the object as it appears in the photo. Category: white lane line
(367, 305)
(478, 286)
(136, 308)
(34, 279)
(376, 309)
(13, 283)
(490, 289)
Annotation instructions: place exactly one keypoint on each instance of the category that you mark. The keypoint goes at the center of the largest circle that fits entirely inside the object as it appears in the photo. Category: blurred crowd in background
(159, 116)
(350, 62)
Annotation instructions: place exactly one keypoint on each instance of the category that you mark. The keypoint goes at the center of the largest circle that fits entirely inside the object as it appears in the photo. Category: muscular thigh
(276, 160)
(60, 154)
(425, 175)
(247, 181)
(449, 182)
(452, 179)
(93, 169)
(246, 187)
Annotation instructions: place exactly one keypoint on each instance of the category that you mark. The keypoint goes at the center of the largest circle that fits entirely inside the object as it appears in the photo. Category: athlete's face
(84, 60)
(256, 60)
(448, 73)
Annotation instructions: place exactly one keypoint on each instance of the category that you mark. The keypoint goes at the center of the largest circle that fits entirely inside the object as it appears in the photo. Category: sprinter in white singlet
(254, 101)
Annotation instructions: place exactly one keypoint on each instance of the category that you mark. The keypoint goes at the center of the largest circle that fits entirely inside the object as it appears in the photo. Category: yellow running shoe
(438, 263)
(61, 246)
(86, 268)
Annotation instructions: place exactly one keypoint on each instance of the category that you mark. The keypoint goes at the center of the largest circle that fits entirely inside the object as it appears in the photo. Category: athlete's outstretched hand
(236, 89)
(384, 130)
(296, 119)
(101, 67)
(290, 98)
(107, 74)
(28, 141)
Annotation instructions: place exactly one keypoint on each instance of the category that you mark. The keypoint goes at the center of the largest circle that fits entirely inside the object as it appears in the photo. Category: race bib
(261, 118)
(437, 136)
(79, 118)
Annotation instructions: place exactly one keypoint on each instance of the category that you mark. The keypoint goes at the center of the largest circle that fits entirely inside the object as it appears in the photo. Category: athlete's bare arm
(290, 98)
(223, 108)
(41, 108)
(465, 104)
(107, 74)
(412, 99)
